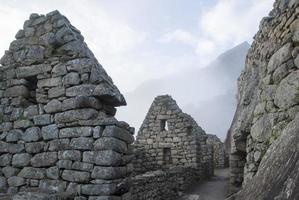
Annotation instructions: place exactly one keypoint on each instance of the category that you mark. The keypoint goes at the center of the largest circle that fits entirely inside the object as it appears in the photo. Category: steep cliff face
(264, 133)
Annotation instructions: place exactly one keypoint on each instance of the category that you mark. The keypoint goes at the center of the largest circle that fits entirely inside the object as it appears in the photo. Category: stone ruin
(171, 152)
(264, 134)
(220, 156)
(58, 134)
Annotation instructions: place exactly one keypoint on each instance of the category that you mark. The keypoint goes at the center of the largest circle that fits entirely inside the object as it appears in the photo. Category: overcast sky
(137, 40)
(140, 40)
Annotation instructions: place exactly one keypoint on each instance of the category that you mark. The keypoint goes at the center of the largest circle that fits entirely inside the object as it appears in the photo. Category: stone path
(212, 189)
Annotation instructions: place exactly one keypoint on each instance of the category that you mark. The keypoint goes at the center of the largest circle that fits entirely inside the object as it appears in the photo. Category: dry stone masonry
(171, 142)
(265, 130)
(58, 134)
(220, 154)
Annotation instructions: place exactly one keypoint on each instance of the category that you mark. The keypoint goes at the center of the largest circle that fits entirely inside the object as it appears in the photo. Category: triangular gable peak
(168, 117)
(47, 47)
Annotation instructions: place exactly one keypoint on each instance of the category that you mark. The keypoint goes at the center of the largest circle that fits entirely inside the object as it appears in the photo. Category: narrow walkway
(214, 188)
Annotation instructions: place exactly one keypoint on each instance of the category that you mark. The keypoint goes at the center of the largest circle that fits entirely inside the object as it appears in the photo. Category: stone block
(35, 147)
(74, 155)
(42, 120)
(109, 143)
(31, 134)
(50, 132)
(81, 143)
(21, 160)
(75, 176)
(75, 132)
(44, 159)
(32, 173)
(108, 173)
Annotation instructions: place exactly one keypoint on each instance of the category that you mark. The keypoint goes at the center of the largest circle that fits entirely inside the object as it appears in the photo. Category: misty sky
(140, 40)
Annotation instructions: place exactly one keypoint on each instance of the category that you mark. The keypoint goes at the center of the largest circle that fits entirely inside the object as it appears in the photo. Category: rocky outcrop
(264, 133)
(58, 133)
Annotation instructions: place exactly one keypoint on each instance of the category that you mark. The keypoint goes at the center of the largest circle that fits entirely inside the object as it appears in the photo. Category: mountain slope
(216, 83)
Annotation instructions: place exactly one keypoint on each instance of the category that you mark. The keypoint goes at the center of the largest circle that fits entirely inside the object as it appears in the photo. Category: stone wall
(265, 120)
(171, 142)
(58, 133)
(162, 185)
(220, 154)
(170, 138)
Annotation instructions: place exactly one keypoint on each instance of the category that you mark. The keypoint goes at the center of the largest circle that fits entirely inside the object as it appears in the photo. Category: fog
(208, 93)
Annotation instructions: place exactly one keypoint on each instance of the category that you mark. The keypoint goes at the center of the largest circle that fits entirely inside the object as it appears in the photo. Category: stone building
(167, 140)
(220, 154)
(264, 134)
(58, 133)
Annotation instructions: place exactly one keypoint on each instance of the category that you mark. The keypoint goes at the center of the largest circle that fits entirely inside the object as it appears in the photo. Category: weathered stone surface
(15, 148)
(35, 196)
(31, 134)
(21, 160)
(75, 132)
(75, 176)
(82, 143)
(74, 155)
(263, 162)
(42, 119)
(114, 131)
(44, 159)
(64, 164)
(16, 181)
(52, 185)
(75, 115)
(283, 183)
(82, 166)
(53, 106)
(108, 173)
(59, 144)
(50, 82)
(22, 124)
(14, 135)
(279, 57)
(56, 92)
(110, 143)
(3, 184)
(51, 114)
(102, 158)
(10, 171)
(35, 147)
(287, 91)
(103, 189)
(5, 159)
(32, 173)
(81, 102)
(83, 90)
(33, 70)
(15, 91)
(52, 172)
(71, 79)
(50, 132)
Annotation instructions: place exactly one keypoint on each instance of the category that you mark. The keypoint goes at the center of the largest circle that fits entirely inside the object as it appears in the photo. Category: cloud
(179, 36)
(112, 39)
(228, 23)
(220, 27)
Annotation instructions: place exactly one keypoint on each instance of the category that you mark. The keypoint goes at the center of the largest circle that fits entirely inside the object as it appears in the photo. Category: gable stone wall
(58, 133)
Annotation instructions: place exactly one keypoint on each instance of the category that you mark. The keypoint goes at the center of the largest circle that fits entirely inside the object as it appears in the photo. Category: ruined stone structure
(265, 130)
(220, 155)
(58, 133)
(170, 140)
